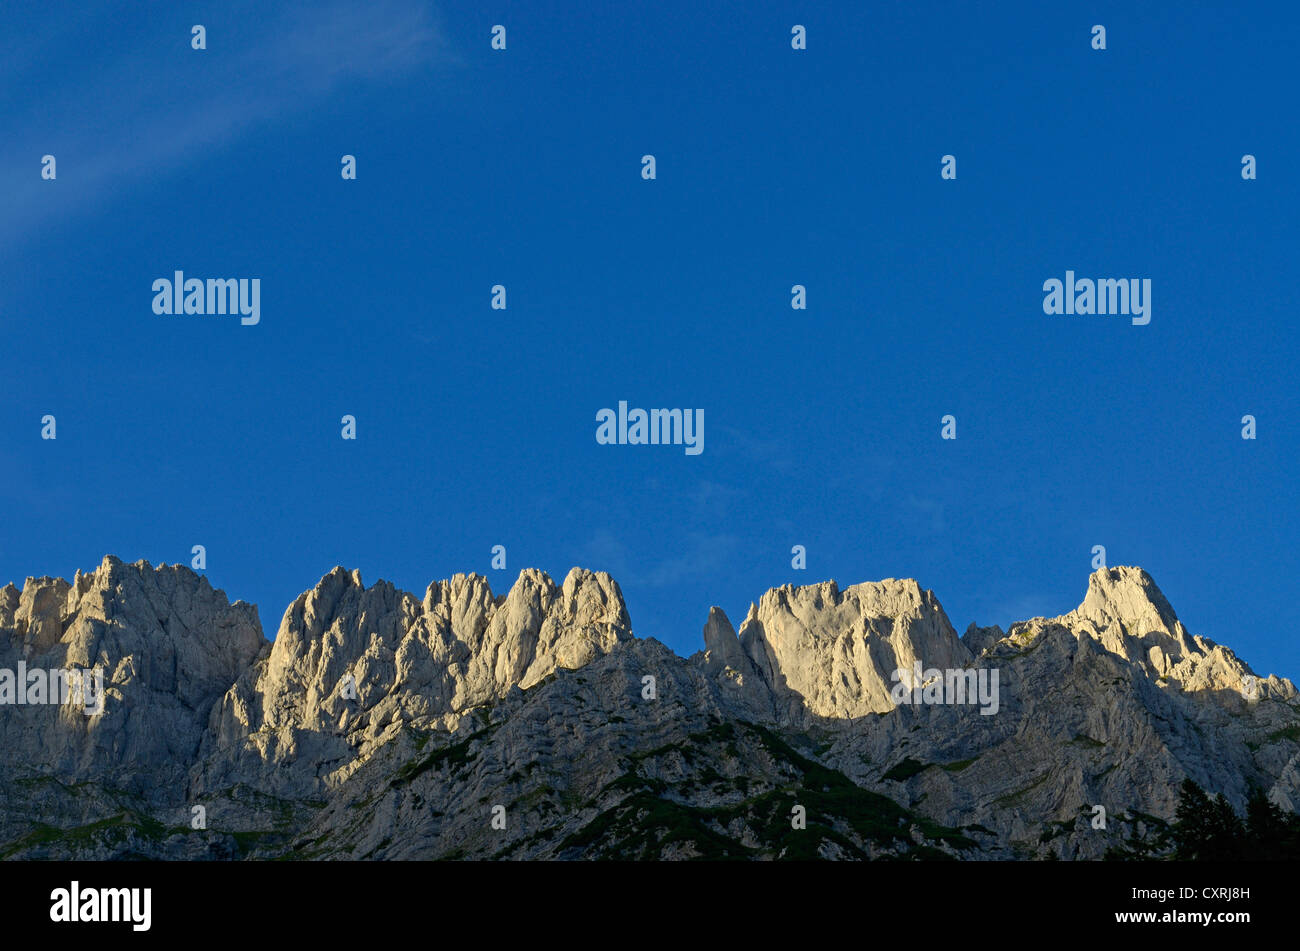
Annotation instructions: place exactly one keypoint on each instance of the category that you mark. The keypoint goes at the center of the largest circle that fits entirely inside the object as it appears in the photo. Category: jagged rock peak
(466, 599)
(1130, 596)
(166, 643)
(721, 644)
(832, 651)
(1128, 615)
(352, 664)
(46, 606)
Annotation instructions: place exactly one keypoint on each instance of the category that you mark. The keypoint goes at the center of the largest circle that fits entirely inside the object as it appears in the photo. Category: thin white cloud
(702, 556)
(145, 104)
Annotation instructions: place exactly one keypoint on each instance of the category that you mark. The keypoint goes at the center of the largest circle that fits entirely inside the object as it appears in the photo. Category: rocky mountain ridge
(379, 724)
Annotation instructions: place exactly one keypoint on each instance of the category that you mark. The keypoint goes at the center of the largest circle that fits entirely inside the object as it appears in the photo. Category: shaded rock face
(383, 725)
(586, 767)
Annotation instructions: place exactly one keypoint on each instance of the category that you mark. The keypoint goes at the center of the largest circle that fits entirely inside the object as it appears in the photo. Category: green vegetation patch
(455, 755)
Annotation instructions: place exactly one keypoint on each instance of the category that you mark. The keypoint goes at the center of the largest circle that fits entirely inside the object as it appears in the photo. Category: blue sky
(822, 427)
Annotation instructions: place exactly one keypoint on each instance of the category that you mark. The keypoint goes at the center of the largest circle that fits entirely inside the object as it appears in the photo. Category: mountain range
(379, 724)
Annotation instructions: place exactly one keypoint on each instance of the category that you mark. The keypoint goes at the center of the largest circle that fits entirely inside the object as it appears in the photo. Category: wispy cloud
(145, 104)
(703, 555)
(774, 451)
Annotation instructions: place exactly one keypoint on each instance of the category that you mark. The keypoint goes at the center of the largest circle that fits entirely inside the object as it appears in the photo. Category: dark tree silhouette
(1207, 829)
(1271, 834)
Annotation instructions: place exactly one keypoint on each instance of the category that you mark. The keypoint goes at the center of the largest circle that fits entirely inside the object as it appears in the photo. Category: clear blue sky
(477, 427)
